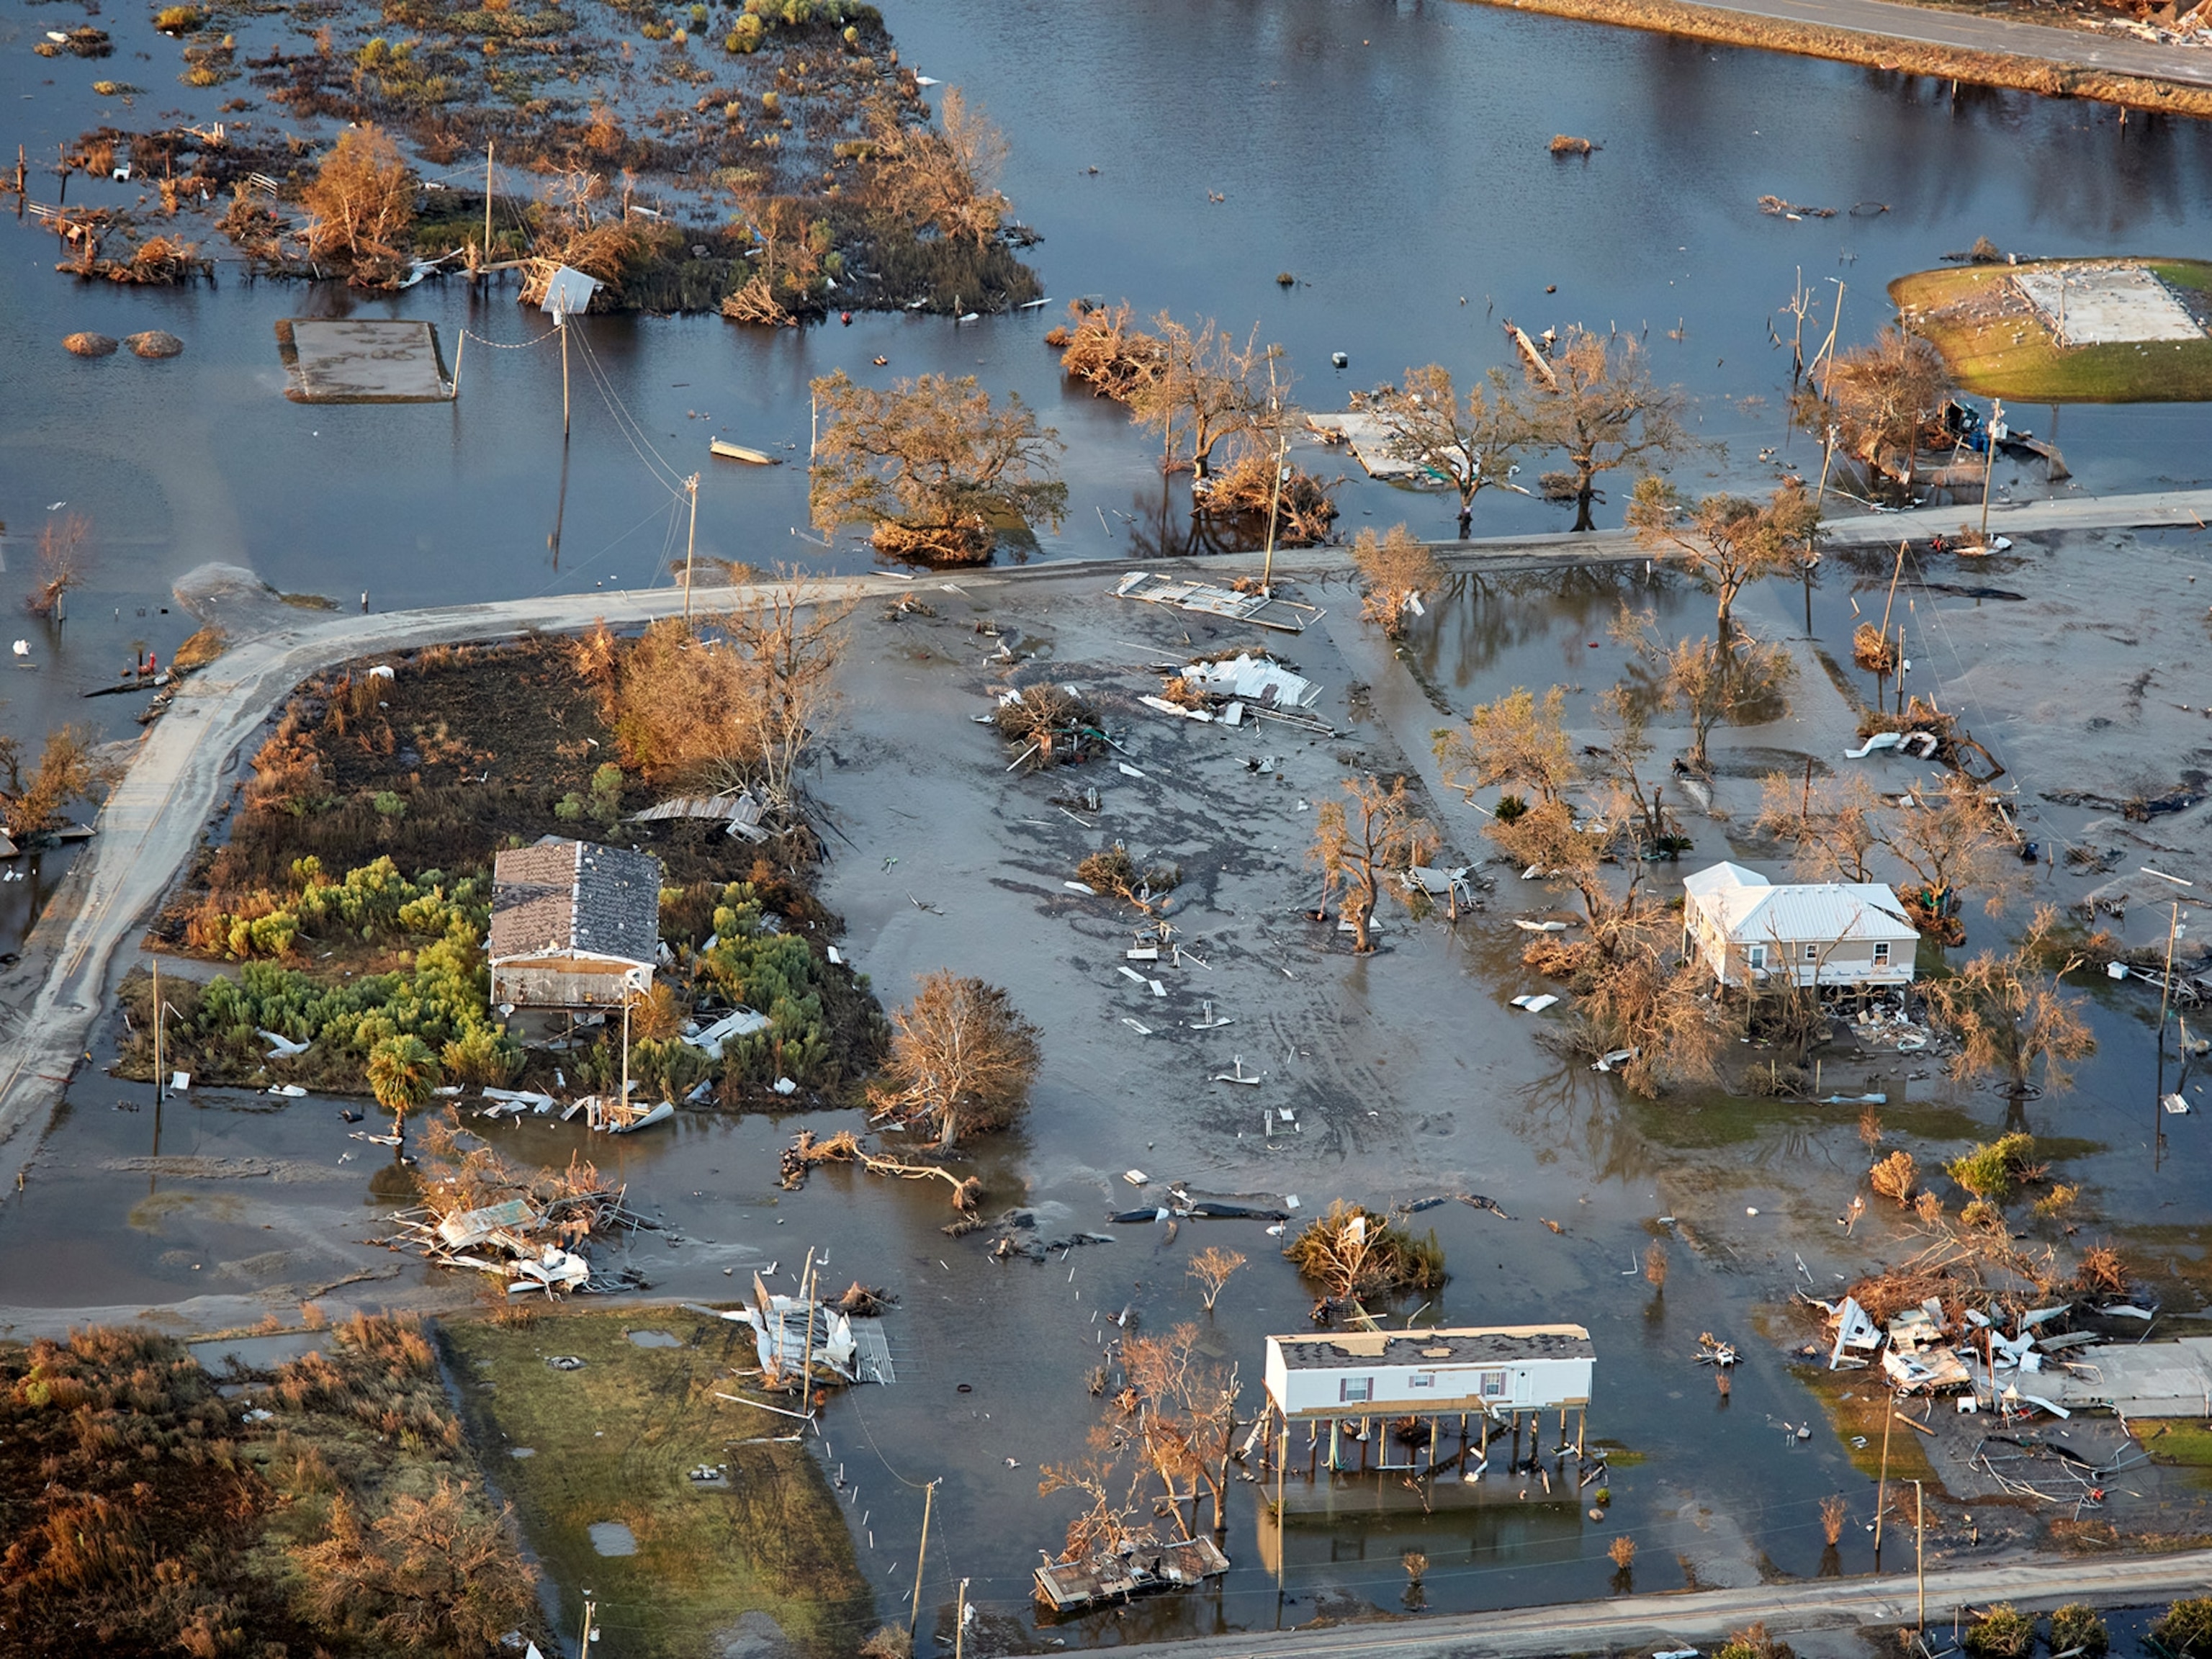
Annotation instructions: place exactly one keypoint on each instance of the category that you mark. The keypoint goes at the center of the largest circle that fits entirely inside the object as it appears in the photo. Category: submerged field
(1997, 343)
(760, 1555)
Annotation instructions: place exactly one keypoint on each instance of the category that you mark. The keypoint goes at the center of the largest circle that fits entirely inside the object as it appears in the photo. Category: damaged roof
(1418, 1350)
(575, 897)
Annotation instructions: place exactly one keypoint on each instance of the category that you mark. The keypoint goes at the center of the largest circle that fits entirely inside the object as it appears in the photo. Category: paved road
(1927, 26)
(156, 816)
(1696, 1620)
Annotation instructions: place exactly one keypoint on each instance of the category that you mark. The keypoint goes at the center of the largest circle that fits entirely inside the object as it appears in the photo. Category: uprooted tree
(937, 470)
(963, 1061)
(1351, 1252)
(1725, 542)
(2011, 1012)
(1395, 569)
(1377, 832)
(1473, 443)
(1594, 399)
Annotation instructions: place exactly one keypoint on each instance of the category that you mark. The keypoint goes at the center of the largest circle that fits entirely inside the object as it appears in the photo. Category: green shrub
(2186, 1630)
(759, 968)
(606, 795)
(1992, 1170)
(389, 805)
(2002, 1632)
(569, 807)
(2074, 1626)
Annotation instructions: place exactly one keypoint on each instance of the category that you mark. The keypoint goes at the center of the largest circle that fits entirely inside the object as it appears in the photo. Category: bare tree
(1472, 443)
(1886, 396)
(933, 465)
(1116, 1494)
(949, 178)
(1726, 542)
(1515, 741)
(963, 1060)
(1357, 842)
(1595, 400)
(361, 199)
(788, 640)
(1831, 827)
(64, 556)
(1952, 840)
(795, 245)
(1397, 569)
(1186, 1412)
(1212, 1267)
(2009, 1012)
(1711, 682)
(1207, 388)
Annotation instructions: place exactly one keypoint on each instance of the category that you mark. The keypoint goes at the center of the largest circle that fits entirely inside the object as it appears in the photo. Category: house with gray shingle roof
(574, 924)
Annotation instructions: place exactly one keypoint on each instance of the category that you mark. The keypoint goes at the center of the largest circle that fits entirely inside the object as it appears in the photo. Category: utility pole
(626, 993)
(1275, 489)
(1920, 1550)
(158, 1079)
(2165, 1000)
(591, 1612)
(1881, 1485)
(960, 1624)
(1990, 467)
(690, 541)
(929, 1496)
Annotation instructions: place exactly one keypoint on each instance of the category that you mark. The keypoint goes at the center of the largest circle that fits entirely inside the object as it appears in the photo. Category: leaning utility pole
(921, 1560)
(690, 541)
(1989, 465)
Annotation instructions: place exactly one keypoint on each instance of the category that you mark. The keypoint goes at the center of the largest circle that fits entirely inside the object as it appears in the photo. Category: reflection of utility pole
(1275, 490)
(561, 322)
(1881, 1483)
(1920, 1550)
(2165, 1000)
(560, 509)
(487, 245)
(1989, 470)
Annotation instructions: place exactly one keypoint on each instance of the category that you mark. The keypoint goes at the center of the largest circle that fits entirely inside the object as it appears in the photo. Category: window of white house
(1882, 953)
(1355, 1390)
(1493, 1385)
(1811, 953)
(1754, 957)
(1422, 1380)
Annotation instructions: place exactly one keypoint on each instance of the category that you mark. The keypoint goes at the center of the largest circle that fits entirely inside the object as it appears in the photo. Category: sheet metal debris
(1263, 610)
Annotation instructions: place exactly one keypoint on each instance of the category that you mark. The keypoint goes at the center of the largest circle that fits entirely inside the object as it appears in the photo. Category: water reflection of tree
(1479, 617)
(1162, 526)
(1575, 1113)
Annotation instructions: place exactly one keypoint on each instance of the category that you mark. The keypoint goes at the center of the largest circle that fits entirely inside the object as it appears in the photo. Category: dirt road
(157, 815)
(1698, 1618)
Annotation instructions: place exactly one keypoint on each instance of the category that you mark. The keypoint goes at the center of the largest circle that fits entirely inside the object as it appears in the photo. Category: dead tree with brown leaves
(1208, 388)
(1395, 569)
(1186, 1419)
(1595, 399)
(963, 1061)
(1473, 443)
(1726, 543)
(361, 203)
(946, 178)
(1376, 833)
(2011, 1011)
(1117, 1491)
(1212, 1267)
(67, 771)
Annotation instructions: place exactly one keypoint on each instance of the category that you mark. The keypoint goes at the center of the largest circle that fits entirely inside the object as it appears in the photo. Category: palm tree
(401, 1072)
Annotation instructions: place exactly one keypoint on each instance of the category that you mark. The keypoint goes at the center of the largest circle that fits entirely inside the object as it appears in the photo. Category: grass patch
(2183, 1442)
(1997, 344)
(615, 1441)
(1861, 1417)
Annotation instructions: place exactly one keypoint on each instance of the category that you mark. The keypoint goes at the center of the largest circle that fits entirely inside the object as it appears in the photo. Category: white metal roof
(1751, 909)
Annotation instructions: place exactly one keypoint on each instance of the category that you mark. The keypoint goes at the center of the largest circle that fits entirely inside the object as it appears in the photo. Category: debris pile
(1050, 724)
(1136, 1569)
(805, 1342)
(529, 1228)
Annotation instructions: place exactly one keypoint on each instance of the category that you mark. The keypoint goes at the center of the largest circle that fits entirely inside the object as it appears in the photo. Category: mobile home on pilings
(1425, 1402)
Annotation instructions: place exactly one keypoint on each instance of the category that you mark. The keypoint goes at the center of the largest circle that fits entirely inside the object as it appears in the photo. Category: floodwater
(1390, 157)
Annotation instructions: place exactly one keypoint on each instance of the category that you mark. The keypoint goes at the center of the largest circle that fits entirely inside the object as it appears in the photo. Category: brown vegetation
(1888, 398)
(64, 556)
(1473, 443)
(1351, 1253)
(1113, 871)
(2009, 1012)
(1596, 401)
(963, 1061)
(1895, 1177)
(1395, 569)
(361, 205)
(1726, 543)
(937, 470)
(1357, 842)
(140, 1517)
(66, 771)
(1212, 1267)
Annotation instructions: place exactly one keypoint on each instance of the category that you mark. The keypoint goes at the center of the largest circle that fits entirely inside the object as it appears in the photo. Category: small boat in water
(730, 451)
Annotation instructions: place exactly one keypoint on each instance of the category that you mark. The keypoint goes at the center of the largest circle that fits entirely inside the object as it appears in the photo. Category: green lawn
(1998, 346)
(613, 1442)
(2184, 1441)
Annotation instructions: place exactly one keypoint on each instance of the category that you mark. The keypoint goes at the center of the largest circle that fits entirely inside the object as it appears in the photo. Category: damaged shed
(574, 924)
